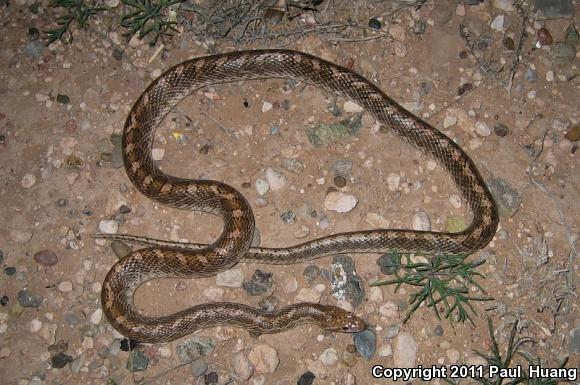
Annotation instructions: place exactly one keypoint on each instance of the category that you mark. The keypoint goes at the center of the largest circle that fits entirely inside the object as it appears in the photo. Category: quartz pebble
(262, 186)
(65, 286)
(96, 317)
(339, 202)
(242, 366)
(266, 106)
(276, 180)
(351, 107)
(482, 128)
(109, 227)
(405, 353)
(329, 357)
(449, 121)
(28, 180)
(264, 358)
(421, 221)
(308, 295)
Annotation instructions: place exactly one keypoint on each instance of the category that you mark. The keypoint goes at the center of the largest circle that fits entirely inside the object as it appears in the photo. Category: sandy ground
(59, 184)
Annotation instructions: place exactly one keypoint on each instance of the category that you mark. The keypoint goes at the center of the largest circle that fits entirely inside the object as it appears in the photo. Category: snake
(167, 259)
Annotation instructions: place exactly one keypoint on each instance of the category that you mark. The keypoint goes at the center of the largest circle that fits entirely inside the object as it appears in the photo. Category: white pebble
(449, 121)
(376, 294)
(165, 351)
(155, 73)
(421, 221)
(96, 317)
(230, 278)
(497, 23)
(405, 353)
(35, 325)
(531, 94)
(393, 181)
(158, 153)
(275, 179)
(109, 227)
(308, 295)
(329, 357)
(389, 309)
(431, 165)
(266, 106)
(264, 358)
(482, 128)
(550, 76)
(345, 305)
(455, 201)
(28, 180)
(339, 202)
(351, 107)
(65, 286)
(386, 350)
(262, 186)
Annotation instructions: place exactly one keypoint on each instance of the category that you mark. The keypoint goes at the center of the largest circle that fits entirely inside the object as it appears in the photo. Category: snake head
(340, 320)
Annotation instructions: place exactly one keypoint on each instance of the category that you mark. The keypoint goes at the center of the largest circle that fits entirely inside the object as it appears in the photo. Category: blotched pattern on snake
(166, 259)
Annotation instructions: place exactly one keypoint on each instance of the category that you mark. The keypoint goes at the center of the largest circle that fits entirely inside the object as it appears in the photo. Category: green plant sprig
(75, 10)
(150, 17)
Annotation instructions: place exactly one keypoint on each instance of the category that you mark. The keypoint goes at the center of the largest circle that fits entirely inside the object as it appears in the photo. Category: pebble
(5, 352)
(165, 351)
(375, 294)
(442, 12)
(506, 197)
(500, 129)
(293, 165)
(365, 342)
(455, 224)
(391, 331)
(393, 181)
(266, 106)
(349, 379)
(194, 348)
(375, 23)
(340, 202)
(449, 121)
(308, 295)
(158, 153)
(262, 187)
(386, 350)
(421, 221)
(310, 273)
(65, 286)
(329, 357)
(550, 76)
(121, 249)
(453, 355)
(264, 358)
(455, 201)
(259, 284)
(405, 353)
(243, 368)
(27, 299)
(530, 75)
(388, 263)
(352, 107)
(138, 361)
(573, 134)
(345, 282)
(28, 180)
(269, 304)
(389, 309)
(20, 236)
(46, 258)
(198, 368)
(498, 23)
(210, 378)
(230, 278)
(397, 32)
(438, 331)
(9, 270)
(34, 49)
(155, 73)
(376, 220)
(302, 232)
(563, 53)
(482, 128)
(288, 217)
(60, 360)
(96, 317)
(109, 227)
(342, 167)
(35, 325)
(275, 179)
(307, 378)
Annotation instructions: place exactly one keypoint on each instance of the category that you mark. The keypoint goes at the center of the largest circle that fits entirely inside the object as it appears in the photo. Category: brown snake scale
(163, 259)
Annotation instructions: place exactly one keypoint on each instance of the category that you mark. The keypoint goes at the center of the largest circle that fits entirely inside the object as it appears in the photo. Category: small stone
(230, 278)
(138, 361)
(27, 299)
(275, 179)
(28, 180)
(243, 368)
(376, 294)
(421, 221)
(121, 249)
(5, 352)
(482, 128)
(388, 263)
(4, 300)
(158, 153)
(35, 325)
(266, 106)
(63, 99)
(366, 343)
(397, 32)
(573, 134)
(453, 355)
(34, 49)
(302, 232)
(210, 378)
(259, 284)
(391, 331)
(342, 167)
(288, 217)
(500, 129)
(506, 197)
(307, 378)
(311, 272)
(449, 121)
(389, 309)
(60, 360)
(339, 181)
(308, 295)
(262, 187)
(352, 107)
(329, 357)
(109, 227)
(65, 286)
(406, 349)
(386, 350)
(9, 270)
(498, 23)
(530, 75)
(550, 76)
(340, 202)
(96, 317)
(442, 12)
(375, 23)
(293, 165)
(46, 258)
(264, 358)
(563, 53)
(438, 331)
(194, 348)
(198, 368)
(349, 379)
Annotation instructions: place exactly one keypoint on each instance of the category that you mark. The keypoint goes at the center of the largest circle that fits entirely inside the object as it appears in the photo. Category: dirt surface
(59, 184)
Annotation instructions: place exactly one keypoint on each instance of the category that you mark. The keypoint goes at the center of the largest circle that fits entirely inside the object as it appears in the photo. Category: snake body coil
(166, 259)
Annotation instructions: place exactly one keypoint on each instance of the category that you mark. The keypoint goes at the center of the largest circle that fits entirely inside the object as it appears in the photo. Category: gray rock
(60, 360)
(198, 368)
(388, 263)
(307, 378)
(293, 165)
(575, 340)
(34, 49)
(530, 75)
(138, 361)
(342, 167)
(506, 197)
(194, 348)
(121, 249)
(366, 343)
(405, 353)
(563, 53)
(288, 217)
(553, 9)
(311, 272)
(27, 299)
(46, 258)
(345, 283)
(260, 283)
